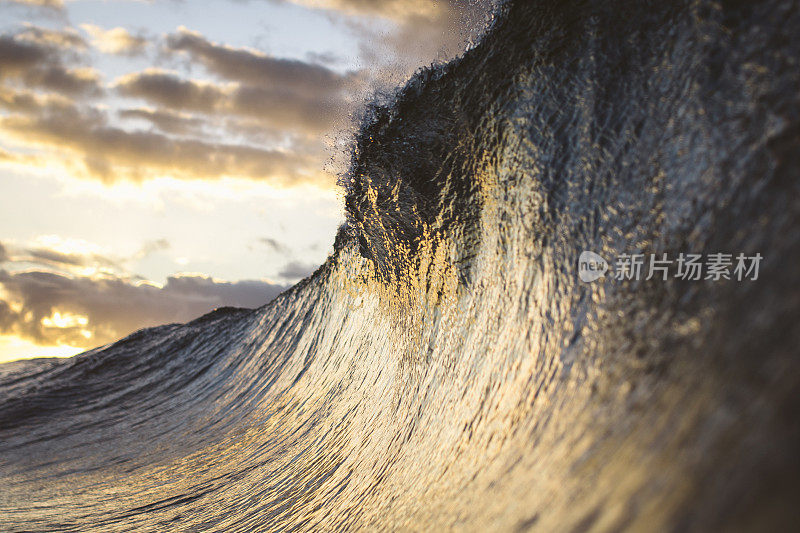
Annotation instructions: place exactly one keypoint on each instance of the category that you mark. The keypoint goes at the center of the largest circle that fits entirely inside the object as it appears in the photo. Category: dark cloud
(260, 70)
(35, 58)
(297, 270)
(54, 258)
(94, 311)
(57, 258)
(28, 102)
(83, 81)
(282, 94)
(17, 55)
(245, 293)
(290, 110)
(111, 153)
(165, 120)
(7, 317)
(274, 106)
(69, 263)
(63, 39)
(169, 90)
(274, 245)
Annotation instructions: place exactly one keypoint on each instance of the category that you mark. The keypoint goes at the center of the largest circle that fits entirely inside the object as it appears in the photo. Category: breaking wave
(446, 368)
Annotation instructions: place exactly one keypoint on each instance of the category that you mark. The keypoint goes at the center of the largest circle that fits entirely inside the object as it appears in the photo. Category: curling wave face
(447, 368)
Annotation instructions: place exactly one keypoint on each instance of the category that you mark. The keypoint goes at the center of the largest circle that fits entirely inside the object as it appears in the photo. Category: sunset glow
(140, 142)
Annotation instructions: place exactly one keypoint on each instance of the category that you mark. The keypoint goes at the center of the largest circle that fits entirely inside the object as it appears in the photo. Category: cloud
(117, 41)
(35, 57)
(50, 297)
(17, 55)
(66, 256)
(280, 110)
(29, 102)
(274, 245)
(20, 160)
(283, 94)
(67, 261)
(79, 81)
(58, 258)
(324, 58)
(421, 31)
(169, 90)
(396, 9)
(52, 4)
(151, 247)
(51, 309)
(63, 39)
(407, 12)
(257, 69)
(297, 270)
(7, 317)
(111, 153)
(165, 120)
(274, 107)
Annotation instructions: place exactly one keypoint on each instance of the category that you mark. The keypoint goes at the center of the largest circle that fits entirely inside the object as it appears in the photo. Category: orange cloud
(110, 153)
(116, 40)
(397, 9)
(52, 4)
(54, 309)
(274, 108)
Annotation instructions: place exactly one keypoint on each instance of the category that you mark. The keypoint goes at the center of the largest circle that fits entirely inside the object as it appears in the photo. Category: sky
(159, 159)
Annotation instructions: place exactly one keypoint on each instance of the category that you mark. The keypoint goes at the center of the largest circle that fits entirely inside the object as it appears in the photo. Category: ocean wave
(446, 368)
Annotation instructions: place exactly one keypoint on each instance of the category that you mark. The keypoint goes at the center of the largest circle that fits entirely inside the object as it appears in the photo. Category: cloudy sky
(162, 158)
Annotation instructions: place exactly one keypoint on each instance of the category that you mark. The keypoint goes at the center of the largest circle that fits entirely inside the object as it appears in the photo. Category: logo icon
(591, 267)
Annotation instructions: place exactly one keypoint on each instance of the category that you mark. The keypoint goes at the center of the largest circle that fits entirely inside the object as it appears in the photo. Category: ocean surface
(446, 368)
